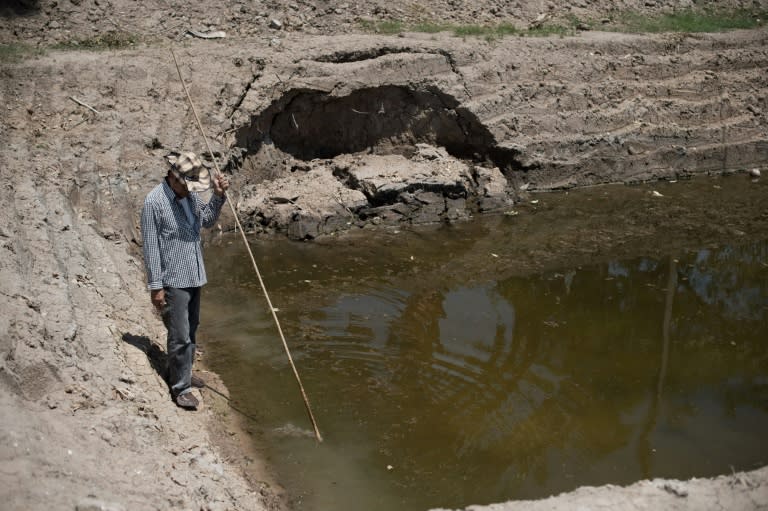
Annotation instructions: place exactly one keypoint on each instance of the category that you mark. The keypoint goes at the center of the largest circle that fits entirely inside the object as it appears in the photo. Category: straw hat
(189, 168)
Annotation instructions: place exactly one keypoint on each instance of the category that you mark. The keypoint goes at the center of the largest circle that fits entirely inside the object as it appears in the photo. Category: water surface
(596, 337)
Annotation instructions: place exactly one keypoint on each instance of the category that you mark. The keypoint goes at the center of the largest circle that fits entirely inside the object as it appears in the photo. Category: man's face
(178, 185)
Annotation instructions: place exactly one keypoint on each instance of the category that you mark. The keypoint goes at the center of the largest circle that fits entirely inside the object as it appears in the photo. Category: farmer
(171, 219)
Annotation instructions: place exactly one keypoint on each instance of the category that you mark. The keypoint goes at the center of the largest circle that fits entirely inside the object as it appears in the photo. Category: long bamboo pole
(250, 253)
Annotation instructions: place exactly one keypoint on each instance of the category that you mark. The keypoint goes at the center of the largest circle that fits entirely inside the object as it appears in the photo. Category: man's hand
(158, 298)
(220, 184)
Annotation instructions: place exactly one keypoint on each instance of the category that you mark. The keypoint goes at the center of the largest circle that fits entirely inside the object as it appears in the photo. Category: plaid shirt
(173, 254)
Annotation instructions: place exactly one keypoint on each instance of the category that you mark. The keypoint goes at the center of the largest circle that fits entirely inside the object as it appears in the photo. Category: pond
(585, 338)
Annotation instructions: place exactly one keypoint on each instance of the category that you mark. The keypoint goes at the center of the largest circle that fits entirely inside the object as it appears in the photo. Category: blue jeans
(181, 316)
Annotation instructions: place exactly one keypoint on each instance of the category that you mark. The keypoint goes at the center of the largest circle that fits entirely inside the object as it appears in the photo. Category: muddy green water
(601, 336)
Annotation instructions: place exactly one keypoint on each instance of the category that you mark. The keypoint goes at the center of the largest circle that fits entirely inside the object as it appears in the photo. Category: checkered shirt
(173, 255)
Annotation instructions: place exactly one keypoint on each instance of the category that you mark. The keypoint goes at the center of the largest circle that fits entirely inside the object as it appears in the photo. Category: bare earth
(324, 128)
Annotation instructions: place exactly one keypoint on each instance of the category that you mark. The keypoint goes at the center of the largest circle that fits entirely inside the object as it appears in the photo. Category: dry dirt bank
(86, 419)
(737, 491)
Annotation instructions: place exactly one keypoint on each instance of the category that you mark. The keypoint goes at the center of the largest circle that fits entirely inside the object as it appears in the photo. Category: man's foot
(197, 381)
(187, 400)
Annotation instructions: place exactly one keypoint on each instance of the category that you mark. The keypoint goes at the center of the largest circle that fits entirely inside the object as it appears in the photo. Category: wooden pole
(253, 260)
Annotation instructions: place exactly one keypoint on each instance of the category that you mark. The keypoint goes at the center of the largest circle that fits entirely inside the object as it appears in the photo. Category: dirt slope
(85, 419)
(47, 21)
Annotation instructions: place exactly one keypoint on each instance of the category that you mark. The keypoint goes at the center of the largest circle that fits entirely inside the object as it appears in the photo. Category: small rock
(127, 378)
(754, 172)
(675, 489)
(276, 24)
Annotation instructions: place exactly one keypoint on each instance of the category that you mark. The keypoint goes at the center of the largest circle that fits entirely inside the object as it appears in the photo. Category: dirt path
(85, 417)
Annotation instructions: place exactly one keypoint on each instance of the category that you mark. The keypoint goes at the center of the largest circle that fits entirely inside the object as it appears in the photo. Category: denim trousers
(181, 316)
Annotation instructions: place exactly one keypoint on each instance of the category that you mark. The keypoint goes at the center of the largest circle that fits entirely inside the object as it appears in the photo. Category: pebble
(754, 172)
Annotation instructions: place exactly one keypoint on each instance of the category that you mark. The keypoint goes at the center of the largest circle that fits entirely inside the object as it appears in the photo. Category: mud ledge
(738, 491)
(422, 133)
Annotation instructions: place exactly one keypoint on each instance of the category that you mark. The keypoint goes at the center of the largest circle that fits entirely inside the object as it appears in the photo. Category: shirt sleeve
(151, 247)
(210, 212)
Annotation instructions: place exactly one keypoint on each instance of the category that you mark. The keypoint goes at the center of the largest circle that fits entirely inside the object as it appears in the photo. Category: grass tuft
(431, 28)
(107, 41)
(691, 21)
(470, 30)
(16, 52)
(389, 27)
(550, 30)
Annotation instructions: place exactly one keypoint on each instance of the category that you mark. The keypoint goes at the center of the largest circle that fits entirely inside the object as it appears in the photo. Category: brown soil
(309, 119)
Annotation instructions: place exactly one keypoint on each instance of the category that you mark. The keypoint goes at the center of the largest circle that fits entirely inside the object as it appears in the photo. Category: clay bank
(412, 132)
(321, 134)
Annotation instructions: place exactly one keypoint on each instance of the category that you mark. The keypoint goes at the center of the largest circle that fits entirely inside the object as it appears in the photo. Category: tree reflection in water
(481, 390)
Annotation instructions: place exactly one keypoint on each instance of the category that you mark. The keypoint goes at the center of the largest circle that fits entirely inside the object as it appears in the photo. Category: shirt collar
(169, 191)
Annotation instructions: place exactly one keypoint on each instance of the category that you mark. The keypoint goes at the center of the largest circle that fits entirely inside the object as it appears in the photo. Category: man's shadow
(158, 360)
(157, 357)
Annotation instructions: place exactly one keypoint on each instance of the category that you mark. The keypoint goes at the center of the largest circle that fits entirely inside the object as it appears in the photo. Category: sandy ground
(86, 421)
(737, 491)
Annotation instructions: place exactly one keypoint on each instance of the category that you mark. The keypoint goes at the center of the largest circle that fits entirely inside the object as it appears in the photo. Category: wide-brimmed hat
(190, 169)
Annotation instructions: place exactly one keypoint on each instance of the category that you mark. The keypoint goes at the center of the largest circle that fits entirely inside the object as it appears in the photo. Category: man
(171, 219)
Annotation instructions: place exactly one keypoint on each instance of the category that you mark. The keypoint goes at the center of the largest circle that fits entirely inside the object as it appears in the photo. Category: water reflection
(436, 390)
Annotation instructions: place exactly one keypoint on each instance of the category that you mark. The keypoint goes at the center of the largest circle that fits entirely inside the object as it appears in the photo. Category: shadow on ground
(158, 360)
(155, 354)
